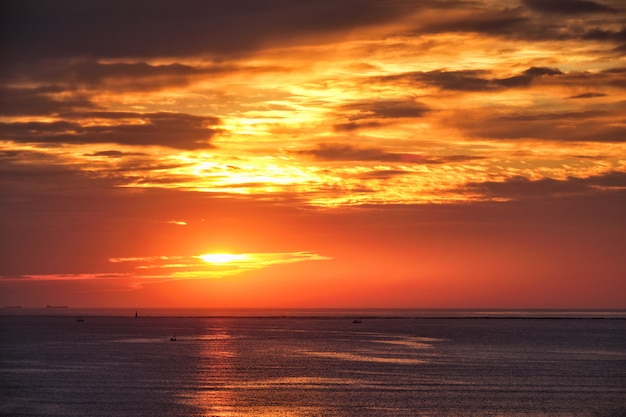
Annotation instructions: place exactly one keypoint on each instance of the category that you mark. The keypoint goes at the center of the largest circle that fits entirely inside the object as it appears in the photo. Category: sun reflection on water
(216, 396)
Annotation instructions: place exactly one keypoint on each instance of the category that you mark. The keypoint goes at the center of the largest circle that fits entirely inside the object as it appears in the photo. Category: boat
(356, 321)
(173, 339)
(49, 306)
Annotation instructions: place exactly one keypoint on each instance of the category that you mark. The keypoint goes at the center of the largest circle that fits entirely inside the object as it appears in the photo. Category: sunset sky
(313, 153)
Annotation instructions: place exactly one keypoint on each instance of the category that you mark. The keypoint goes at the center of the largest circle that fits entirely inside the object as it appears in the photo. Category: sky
(313, 153)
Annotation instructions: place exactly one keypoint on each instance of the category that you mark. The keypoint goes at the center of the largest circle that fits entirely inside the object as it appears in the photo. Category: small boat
(173, 339)
(80, 320)
(49, 306)
(356, 321)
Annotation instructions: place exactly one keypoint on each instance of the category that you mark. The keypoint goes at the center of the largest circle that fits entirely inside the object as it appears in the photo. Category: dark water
(311, 366)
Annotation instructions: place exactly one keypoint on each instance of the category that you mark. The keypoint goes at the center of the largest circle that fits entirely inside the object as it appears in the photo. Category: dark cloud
(583, 126)
(611, 78)
(597, 34)
(109, 154)
(465, 80)
(555, 20)
(343, 152)
(38, 29)
(378, 113)
(528, 76)
(568, 6)
(352, 126)
(174, 130)
(494, 22)
(474, 80)
(115, 154)
(149, 28)
(385, 109)
(614, 77)
(383, 174)
(346, 152)
(521, 187)
(613, 179)
(589, 95)
(73, 75)
(26, 173)
(39, 101)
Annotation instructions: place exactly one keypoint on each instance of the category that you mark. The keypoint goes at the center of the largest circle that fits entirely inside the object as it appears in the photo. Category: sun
(222, 258)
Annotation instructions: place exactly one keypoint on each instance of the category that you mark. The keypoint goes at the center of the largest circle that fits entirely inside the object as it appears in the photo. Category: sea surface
(296, 363)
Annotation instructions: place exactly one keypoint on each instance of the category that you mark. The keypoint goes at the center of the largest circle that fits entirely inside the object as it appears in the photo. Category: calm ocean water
(85, 363)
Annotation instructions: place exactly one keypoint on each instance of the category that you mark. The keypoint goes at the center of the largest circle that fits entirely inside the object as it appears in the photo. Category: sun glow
(223, 258)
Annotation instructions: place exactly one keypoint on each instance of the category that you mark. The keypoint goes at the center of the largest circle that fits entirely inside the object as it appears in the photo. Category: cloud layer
(129, 129)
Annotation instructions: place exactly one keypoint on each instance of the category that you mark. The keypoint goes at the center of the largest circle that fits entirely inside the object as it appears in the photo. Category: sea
(305, 363)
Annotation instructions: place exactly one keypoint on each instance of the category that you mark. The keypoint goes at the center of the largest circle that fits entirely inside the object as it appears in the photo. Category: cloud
(222, 29)
(472, 80)
(521, 187)
(492, 22)
(352, 126)
(607, 79)
(211, 265)
(42, 100)
(157, 28)
(124, 77)
(588, 95)
(377, 113)
(574, 126)
(177, 222)
(115, 154)
(345, 152)
(597, 34)
(383, 174)
(568, 6)
(534, 20)
(384, 109)
(174, 130)
(24, 173)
